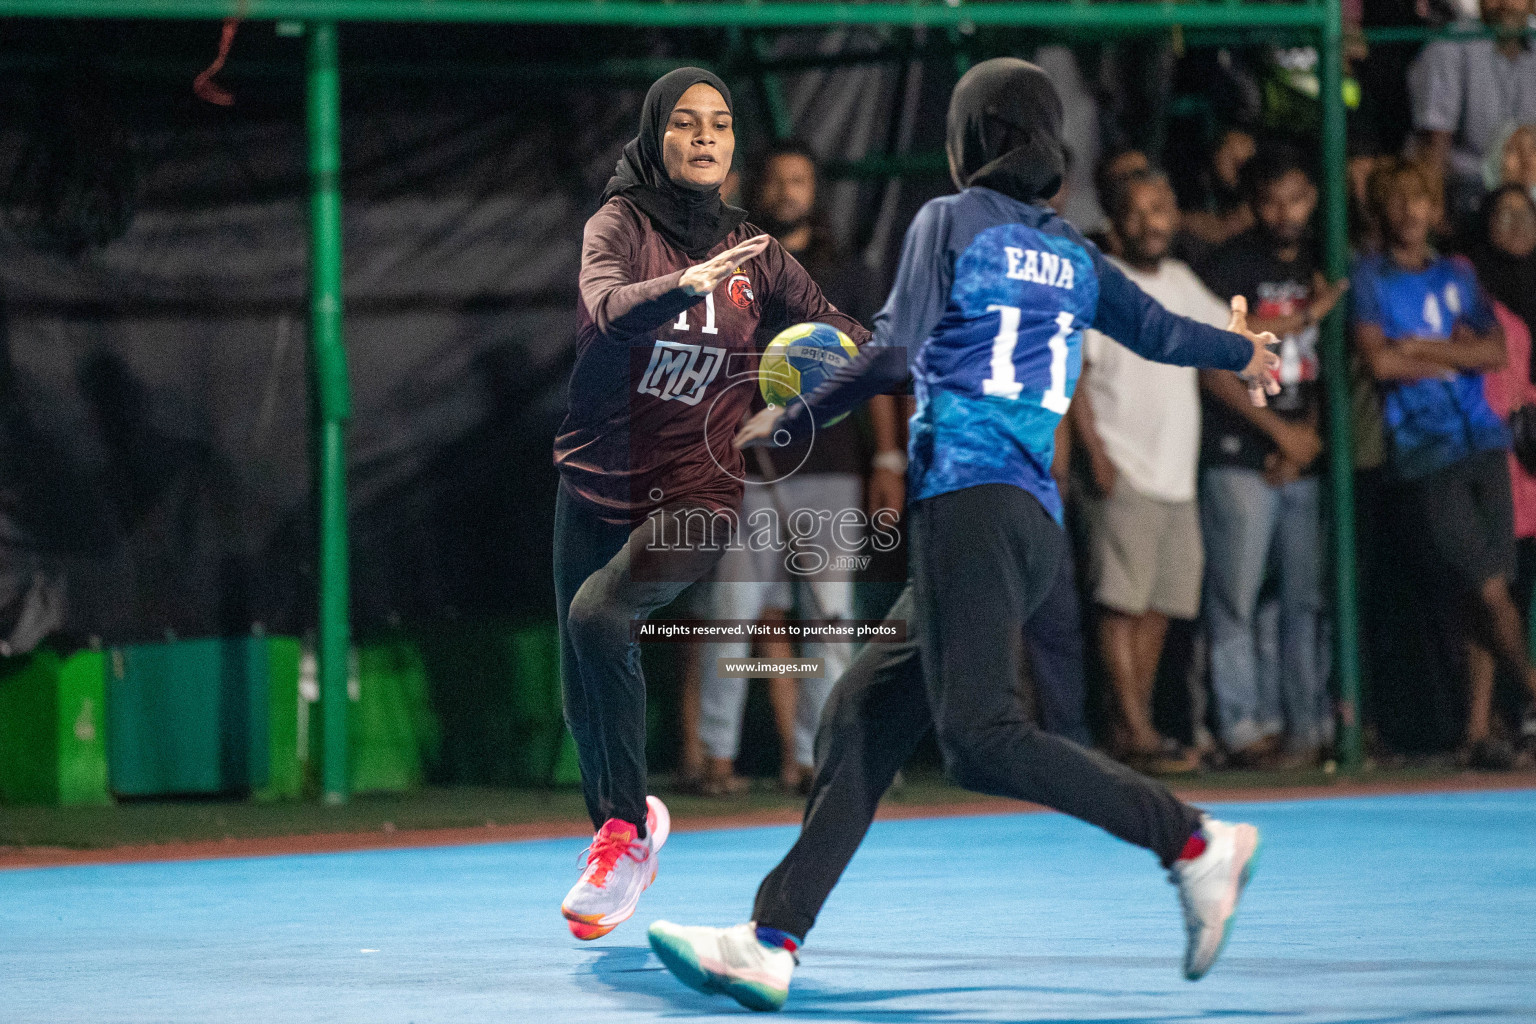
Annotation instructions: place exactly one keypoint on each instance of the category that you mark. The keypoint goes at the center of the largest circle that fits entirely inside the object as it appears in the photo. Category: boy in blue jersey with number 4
(1428, 334)
(990, 301)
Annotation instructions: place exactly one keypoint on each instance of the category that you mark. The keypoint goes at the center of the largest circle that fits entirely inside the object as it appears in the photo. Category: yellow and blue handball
(799, 358)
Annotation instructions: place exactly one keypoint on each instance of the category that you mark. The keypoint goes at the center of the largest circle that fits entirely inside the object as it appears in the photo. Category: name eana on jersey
(1038, 267)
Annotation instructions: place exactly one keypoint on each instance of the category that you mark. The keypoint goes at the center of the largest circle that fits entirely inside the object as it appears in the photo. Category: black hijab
(1510, 279)
(694, 220)
(1005, 130)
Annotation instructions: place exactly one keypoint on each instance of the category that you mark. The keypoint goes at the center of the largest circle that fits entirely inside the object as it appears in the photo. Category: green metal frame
(1318, 21)
(332, 402)
(1074, 16)
(1341, 449)
(1427, 33)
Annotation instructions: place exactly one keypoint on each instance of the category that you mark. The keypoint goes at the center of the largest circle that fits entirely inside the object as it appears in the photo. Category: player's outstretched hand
(1262, 374)
(759, 429)
(703, 278)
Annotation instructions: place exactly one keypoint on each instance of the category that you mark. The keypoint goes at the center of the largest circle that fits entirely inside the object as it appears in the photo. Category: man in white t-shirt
(1139, 424)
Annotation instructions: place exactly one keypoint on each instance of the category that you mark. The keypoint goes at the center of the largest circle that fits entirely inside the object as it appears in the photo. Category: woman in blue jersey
(987, 309)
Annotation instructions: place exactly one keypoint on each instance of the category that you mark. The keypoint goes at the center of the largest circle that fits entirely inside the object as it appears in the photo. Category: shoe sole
(586, 928)
(678, 957)
(1249, 866)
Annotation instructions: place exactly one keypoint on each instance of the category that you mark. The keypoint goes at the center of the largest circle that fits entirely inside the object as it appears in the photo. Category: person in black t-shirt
(1259, 490)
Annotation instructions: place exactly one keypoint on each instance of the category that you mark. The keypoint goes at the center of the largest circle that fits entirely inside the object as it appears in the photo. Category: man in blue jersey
(1428, 334)
(991, 299)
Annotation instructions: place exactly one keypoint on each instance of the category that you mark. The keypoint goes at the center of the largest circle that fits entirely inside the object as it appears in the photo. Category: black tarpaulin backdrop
(153, 260)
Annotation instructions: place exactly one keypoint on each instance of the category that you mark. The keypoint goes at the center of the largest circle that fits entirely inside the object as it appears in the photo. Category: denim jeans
(1249, 527)
(748, 584)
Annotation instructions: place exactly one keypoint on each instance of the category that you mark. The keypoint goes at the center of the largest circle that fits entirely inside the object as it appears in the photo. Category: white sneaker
(619, 867)
(730, 961)
(1209, 888)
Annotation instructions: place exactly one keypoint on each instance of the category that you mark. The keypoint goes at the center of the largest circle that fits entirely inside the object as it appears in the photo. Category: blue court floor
(1413, 908)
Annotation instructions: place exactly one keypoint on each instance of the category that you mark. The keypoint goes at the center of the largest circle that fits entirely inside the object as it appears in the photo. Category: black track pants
(606, 577)
(983, 558)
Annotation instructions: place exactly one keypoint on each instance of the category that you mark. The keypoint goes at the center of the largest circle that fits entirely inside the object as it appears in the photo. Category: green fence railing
(1316, 21)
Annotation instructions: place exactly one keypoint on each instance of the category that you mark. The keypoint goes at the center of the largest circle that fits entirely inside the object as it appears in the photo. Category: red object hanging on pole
(203, 84)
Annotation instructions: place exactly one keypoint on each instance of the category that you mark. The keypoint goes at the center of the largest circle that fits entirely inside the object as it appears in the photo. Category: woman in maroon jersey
(675, 288)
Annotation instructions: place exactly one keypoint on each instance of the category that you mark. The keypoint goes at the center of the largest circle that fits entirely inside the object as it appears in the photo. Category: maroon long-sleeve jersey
(662, 379)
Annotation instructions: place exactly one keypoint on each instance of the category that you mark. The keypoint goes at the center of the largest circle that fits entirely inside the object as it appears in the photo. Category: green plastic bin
(188, 717)
(52, 733)
(496, 688)
(392, 730)
(285, 711)
(548, 751)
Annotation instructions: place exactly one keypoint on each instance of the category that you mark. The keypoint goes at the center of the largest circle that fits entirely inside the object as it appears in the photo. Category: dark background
(153, 265)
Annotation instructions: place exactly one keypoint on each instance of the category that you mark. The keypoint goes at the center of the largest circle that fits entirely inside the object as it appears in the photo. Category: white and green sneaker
(1210, 884)
(728, 961)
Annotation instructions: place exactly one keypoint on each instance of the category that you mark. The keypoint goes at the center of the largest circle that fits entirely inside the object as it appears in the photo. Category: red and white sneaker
(1210, 883)
(619, 867)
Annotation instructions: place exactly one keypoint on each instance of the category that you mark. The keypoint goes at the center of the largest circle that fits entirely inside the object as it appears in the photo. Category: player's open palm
(759, 428)
(703, 278)
(1262, 374)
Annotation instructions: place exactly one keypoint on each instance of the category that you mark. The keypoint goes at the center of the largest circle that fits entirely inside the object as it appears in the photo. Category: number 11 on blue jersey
(1003, 384)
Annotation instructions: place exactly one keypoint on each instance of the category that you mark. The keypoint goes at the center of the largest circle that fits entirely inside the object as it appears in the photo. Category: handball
(799, 359)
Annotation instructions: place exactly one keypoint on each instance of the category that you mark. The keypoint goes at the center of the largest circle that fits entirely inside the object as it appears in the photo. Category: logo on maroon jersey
(739, 288)
(681, 372)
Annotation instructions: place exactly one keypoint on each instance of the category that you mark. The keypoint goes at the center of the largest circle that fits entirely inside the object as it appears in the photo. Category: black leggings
(606, 577)
(983, 559)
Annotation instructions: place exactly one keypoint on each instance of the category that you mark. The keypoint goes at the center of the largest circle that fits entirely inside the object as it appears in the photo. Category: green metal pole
(1108, 16)
(1428, 33)
(332, 404)
(771, 86)
(962, 53)
(1341, 461)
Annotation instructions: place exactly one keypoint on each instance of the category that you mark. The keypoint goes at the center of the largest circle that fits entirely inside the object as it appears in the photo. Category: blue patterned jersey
(1434, 422)
(989, 305)
(997, 372)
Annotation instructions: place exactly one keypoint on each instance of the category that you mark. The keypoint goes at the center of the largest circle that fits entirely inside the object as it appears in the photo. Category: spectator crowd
(1192, 628)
